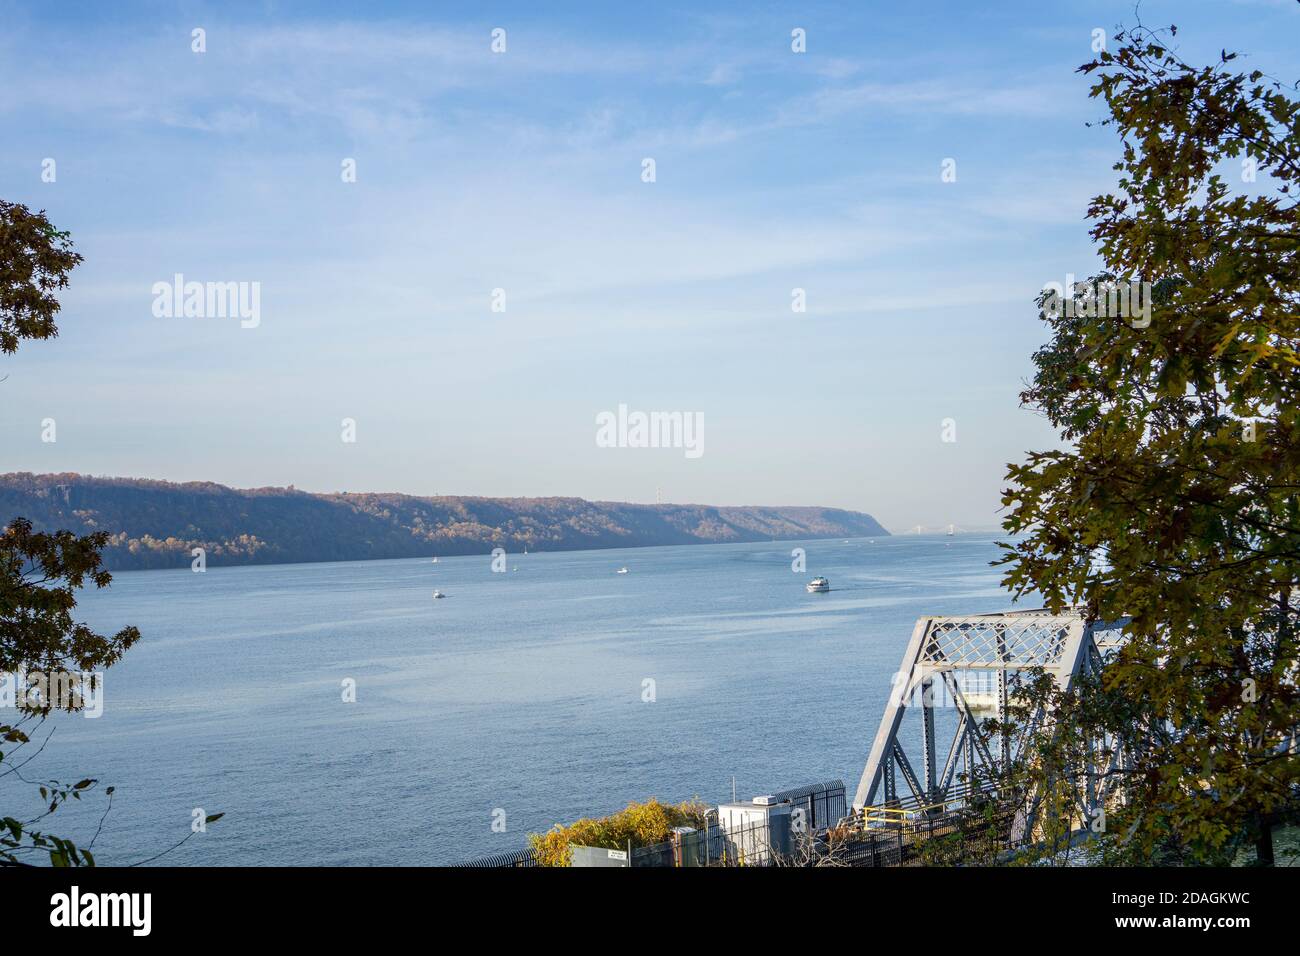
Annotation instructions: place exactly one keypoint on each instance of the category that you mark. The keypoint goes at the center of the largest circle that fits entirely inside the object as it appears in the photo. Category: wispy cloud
(522, 171)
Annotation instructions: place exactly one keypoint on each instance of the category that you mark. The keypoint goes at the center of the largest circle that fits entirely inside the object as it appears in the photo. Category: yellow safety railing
(905, 816)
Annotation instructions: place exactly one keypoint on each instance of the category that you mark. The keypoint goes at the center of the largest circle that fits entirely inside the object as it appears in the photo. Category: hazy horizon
(523, 171)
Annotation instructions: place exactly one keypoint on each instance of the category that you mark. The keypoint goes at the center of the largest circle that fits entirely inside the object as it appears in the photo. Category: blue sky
(522, 171)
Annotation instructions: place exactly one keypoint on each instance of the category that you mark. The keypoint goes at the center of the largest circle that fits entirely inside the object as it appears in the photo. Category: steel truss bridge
(967, 669)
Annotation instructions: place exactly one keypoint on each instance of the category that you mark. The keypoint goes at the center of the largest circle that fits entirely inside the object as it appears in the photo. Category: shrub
(644, 824)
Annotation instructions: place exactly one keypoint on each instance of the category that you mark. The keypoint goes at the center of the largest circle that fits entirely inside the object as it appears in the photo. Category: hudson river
(554, 690)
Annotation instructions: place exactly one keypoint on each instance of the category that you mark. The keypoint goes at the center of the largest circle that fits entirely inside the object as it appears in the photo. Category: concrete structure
(752, 832)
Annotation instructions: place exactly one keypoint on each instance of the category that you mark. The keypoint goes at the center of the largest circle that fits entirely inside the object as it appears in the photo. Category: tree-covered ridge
(155, 524)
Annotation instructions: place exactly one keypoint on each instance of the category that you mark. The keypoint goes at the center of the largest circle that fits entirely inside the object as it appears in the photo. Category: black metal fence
(823, 833)
(516, 858)
(916, 842)
(825, 804)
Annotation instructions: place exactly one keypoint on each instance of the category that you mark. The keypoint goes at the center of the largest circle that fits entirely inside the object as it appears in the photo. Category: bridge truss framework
(942, 657)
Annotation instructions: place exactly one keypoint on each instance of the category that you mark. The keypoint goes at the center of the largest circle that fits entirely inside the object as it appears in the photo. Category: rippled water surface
(520, 690)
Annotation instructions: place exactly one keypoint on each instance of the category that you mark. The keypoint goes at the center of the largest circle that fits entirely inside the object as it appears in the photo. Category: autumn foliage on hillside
(156, 524)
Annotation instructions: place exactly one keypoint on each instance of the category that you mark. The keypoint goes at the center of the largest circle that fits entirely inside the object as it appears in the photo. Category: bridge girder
(945, 652)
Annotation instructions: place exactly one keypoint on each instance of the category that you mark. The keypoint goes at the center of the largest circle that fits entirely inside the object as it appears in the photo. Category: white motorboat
(818, 585)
